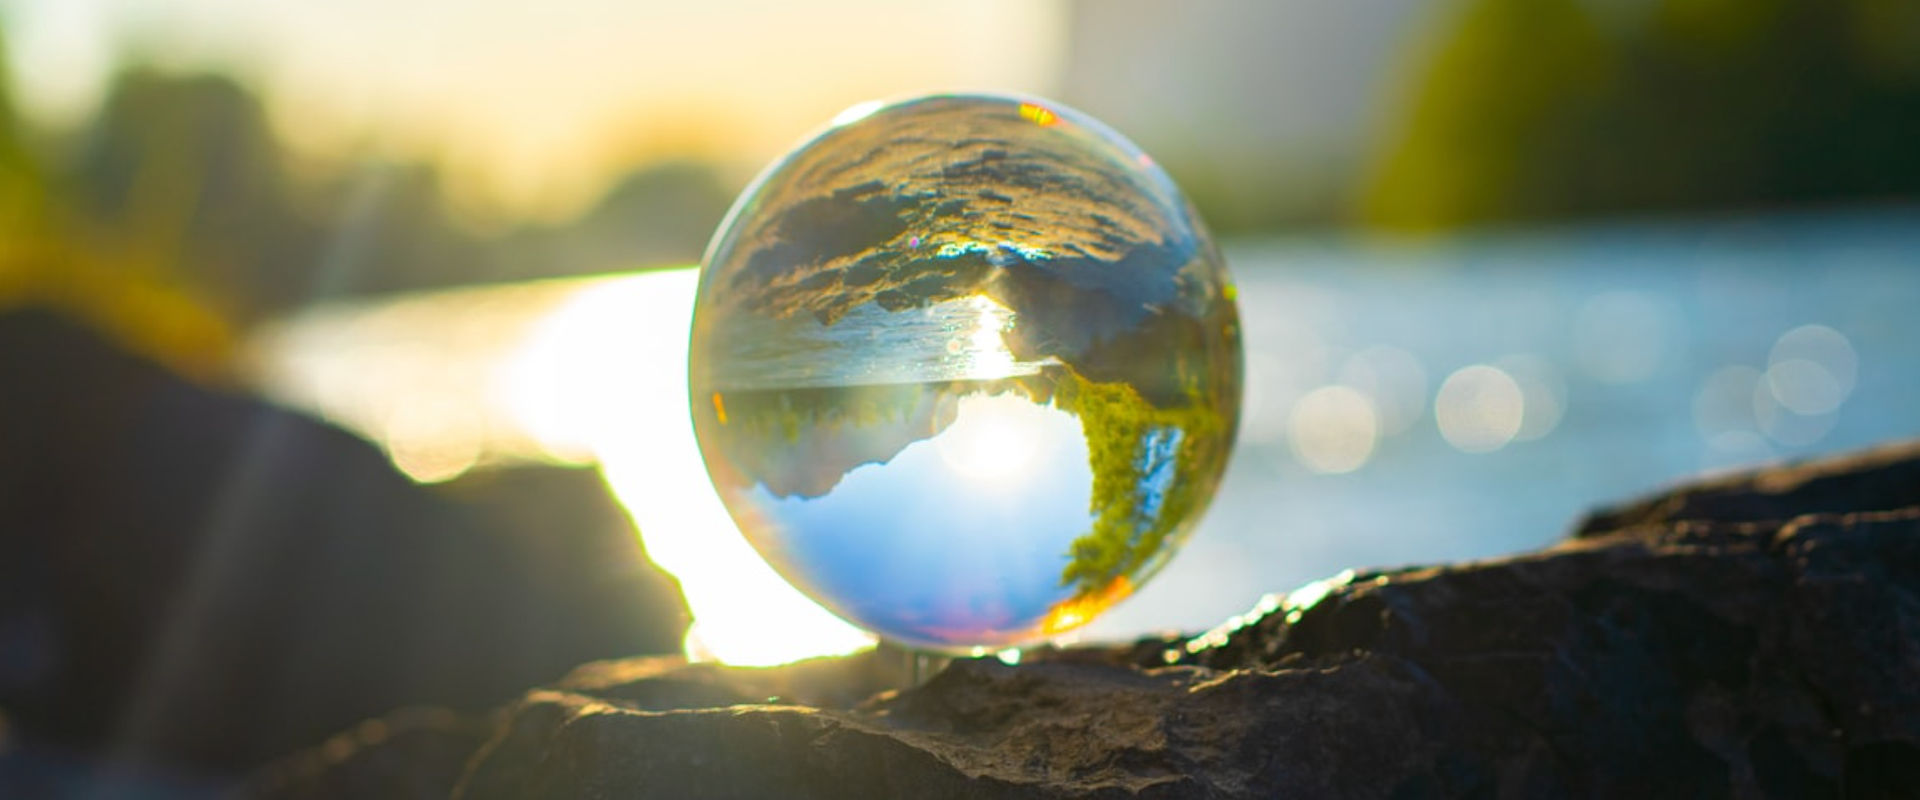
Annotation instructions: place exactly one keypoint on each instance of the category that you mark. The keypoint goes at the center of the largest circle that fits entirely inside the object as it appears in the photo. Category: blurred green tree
(182, 176)
(182, 179)
(20, 196)
(1546, 109)
(175, 214)
(46, 261)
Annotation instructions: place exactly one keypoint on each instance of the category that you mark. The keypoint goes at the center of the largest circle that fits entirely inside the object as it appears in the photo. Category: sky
(533, 104)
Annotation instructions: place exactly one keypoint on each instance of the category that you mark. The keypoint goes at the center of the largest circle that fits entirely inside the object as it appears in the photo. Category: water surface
(1641, 335)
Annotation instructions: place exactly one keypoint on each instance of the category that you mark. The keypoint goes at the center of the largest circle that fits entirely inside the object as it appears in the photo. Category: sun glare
(995, 440)
(985, 347)
(608, 370)
(570, 371)
(594, 371)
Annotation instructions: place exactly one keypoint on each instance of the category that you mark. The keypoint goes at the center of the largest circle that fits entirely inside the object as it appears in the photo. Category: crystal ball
(965, 369)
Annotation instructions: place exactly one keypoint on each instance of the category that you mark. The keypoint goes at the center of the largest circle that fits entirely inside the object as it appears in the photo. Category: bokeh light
(1479, 409)
(1781, 423)
(1543, 393)
(1794, 402)
(1804, 387)
(1333, 429)
(1811, 370)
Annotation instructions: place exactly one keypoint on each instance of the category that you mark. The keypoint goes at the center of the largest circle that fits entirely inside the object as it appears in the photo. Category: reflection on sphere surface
(965, 369)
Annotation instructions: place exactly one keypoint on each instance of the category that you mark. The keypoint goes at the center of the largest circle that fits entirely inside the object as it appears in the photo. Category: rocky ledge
(1755, 636)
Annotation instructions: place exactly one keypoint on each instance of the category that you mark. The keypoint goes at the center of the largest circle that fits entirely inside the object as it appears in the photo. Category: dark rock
(195, 579)
(414, 752)
(1881, 479)
(1772, 652)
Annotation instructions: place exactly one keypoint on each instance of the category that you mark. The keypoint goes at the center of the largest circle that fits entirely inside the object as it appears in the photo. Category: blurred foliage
(184, 173)
(22, 197)
(16, 180)
(175, 215)
(188, 168)
(1544, 109)
(47, 260)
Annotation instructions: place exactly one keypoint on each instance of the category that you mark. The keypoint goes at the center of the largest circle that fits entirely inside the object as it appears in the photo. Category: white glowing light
(1782, 424)
(1543, 394)
(411, 373)
(573, 370)
(986, 349)
(1479, 409)
(1805, 387)
(1823, 346)
(432, 444)
(995, 440)
(1811, 370)
(1333, 429)
(621, 388)
(856, 112)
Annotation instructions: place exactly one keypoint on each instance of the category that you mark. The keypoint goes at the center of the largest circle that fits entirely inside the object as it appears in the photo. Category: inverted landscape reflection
(965, 370)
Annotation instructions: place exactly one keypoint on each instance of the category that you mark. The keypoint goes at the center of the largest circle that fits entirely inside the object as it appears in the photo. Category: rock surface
(1757, 636)
(195, 581)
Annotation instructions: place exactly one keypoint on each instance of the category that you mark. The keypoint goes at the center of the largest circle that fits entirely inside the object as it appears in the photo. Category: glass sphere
(965, 369)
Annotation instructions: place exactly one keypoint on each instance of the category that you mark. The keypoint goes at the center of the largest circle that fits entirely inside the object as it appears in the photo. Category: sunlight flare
(613, 364)
(571, 372)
